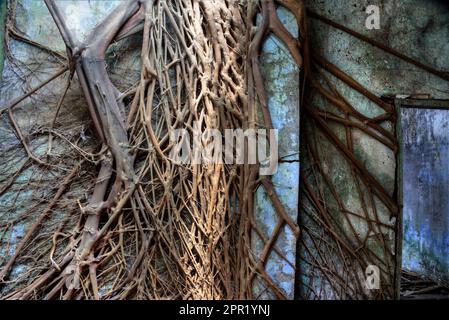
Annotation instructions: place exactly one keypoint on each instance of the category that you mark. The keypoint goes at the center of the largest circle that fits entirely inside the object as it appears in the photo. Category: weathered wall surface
(2, 32)
(425, 137)
(417, 28)
(281, 77)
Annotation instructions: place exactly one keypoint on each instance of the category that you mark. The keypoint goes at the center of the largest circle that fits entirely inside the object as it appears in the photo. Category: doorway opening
(423, 185)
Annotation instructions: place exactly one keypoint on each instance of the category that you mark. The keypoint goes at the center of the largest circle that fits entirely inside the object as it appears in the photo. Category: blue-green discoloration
(426, 187)
(281, 76)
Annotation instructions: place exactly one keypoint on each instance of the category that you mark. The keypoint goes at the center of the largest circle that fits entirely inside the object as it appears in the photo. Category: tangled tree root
(154, 228)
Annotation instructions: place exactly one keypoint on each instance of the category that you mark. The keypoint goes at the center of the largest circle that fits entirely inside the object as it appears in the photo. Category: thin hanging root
(22, 139)
(16, 101)
(268, 186)
(58, 108)
(66, 182)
